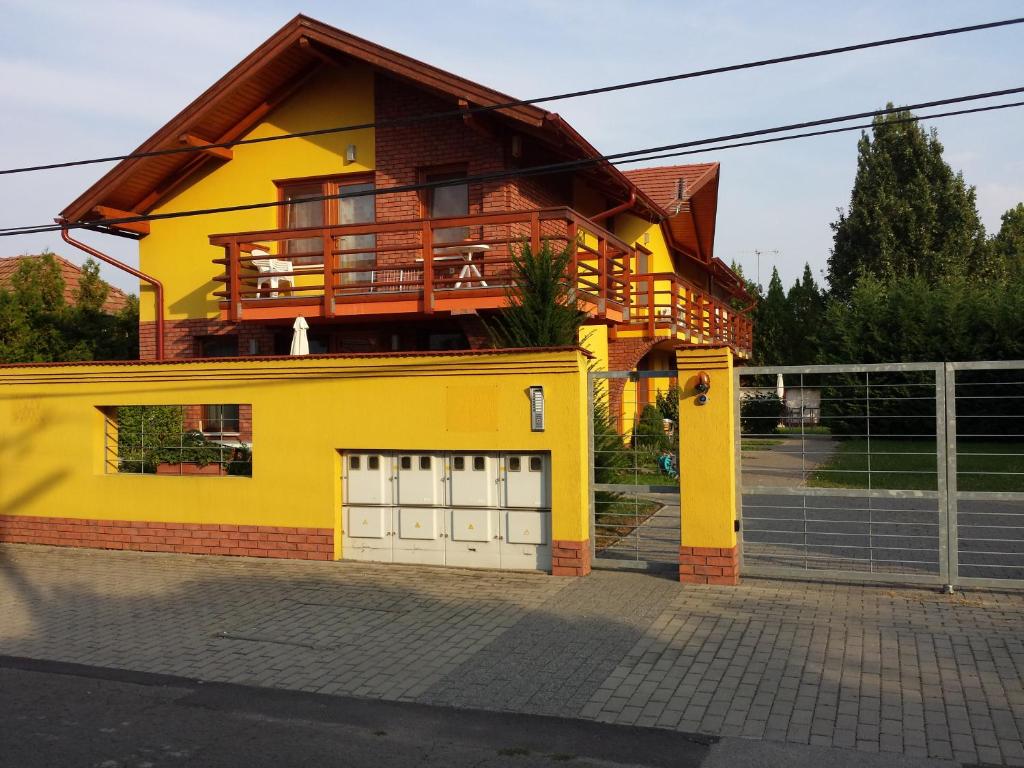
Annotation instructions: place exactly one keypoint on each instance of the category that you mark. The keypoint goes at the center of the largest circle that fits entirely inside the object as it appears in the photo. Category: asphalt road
(56, 714)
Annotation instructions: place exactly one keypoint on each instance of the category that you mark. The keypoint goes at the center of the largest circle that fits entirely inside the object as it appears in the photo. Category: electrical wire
(629, 156)
(524, 102)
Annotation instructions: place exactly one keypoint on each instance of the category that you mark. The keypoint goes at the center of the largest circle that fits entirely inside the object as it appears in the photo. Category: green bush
(760, 414)
(649, 433)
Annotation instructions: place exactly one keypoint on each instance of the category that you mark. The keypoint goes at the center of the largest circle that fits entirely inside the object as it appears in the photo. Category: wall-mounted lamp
(350, 153)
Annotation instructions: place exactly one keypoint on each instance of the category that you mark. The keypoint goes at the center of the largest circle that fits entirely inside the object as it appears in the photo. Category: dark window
(458, 463)
(220, 419)
(353, 462)
(450, 200)
(424, 462)
(536, 464)
(513, 463)
(478, 463)
(217, 346)
(440, 342)
(407, 462)
(375, 462)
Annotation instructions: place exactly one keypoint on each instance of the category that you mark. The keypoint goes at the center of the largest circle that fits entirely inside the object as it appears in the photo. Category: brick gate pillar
(709, 550)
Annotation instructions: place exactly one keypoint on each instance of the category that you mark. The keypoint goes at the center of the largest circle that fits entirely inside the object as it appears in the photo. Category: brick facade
(709, 565)
(625, 355)
(570, 558)
(181, 337)
(186, 538)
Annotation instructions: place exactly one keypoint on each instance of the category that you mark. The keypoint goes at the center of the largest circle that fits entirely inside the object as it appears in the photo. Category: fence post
(947, 375)
(708, 548)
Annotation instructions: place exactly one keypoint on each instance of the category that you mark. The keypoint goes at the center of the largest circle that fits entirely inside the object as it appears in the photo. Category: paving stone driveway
(869, 668)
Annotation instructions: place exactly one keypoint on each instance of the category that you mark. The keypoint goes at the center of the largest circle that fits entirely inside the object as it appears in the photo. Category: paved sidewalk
(866, 668)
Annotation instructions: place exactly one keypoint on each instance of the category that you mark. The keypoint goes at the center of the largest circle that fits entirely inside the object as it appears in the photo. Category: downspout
(617, 209)
(158, 287)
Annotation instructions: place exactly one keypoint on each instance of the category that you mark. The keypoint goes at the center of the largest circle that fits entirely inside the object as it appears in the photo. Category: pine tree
(771, 323)
(909, 213)
(805, 305)
(542, 310)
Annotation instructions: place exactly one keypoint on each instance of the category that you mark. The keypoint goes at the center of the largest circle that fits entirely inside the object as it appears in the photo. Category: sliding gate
(909, 473)
(634, 481)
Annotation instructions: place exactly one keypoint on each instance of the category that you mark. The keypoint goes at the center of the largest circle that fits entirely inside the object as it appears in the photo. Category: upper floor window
(302, 209)
(449, 200)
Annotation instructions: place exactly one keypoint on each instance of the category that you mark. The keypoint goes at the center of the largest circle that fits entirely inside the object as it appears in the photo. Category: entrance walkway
(864, 668)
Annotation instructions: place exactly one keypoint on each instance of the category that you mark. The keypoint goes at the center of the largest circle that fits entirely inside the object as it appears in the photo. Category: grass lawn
(911, 465)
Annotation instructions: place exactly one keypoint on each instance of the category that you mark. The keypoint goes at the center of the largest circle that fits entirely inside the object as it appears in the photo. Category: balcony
(413, 268)
(663, 304)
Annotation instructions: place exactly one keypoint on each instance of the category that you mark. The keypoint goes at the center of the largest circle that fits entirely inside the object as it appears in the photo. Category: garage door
(463, 509)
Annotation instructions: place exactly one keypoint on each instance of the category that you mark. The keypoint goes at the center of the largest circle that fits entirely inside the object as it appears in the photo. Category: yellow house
(381, 200)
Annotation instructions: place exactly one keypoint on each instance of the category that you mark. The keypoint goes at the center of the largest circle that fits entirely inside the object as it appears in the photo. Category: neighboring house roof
(264, 79)
(689, 195)
(71, 274)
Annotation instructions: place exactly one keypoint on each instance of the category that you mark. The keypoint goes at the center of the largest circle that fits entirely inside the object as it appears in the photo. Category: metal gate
(909, 473)
(634, 480)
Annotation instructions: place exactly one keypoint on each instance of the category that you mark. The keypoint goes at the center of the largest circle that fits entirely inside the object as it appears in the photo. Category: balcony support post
(234, 281)
(328, 249)
(427, 237)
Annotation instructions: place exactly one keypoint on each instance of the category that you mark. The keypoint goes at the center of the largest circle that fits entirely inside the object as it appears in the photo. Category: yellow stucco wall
(304, 412)
(178, 251)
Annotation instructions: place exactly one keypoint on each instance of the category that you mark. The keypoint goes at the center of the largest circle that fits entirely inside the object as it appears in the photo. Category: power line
(525, 102)
(618, 158)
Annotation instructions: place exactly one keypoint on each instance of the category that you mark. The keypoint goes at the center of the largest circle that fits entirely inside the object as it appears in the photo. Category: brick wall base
(709, 565)
(570, 558)
(188, 538)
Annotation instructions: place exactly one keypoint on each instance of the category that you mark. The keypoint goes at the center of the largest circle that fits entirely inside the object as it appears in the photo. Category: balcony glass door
(357, 210)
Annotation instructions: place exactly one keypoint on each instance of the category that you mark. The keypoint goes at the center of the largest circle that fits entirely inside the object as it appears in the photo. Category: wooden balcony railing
(414, 266)
(663, 300)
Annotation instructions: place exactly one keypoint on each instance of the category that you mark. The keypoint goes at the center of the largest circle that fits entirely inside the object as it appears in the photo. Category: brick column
(570, 558)
(709, 546)
(709, 565)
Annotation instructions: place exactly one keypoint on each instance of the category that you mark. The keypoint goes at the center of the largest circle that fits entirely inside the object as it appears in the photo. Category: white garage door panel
(527, 527)
(418, 536)
(473, 525)
(415, 523)
(527, 480)
(420, 479)
(474, 479)
(368, 522)
(368, 478)
(367, 534)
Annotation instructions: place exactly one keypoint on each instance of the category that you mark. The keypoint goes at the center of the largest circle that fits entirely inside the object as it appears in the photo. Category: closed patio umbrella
(300, 343)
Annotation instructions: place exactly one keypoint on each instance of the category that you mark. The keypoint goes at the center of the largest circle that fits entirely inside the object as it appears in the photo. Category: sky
(80, 80)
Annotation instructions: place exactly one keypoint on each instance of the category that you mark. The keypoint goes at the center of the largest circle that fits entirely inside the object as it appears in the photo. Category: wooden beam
(327, 56)
(106, 212)
(222, 153)
(477, 122)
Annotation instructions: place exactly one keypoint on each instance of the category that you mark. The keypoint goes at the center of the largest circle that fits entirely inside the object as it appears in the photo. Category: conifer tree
(909, 213)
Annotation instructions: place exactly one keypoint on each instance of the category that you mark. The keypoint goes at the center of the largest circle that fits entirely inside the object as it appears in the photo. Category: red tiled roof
(71, 274)
(661, 183)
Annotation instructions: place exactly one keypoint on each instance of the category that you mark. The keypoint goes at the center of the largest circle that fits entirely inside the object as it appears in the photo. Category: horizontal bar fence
(859, 472)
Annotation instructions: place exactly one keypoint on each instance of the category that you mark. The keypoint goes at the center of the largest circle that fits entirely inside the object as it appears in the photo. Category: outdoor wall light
(701, 387)
(350, 153)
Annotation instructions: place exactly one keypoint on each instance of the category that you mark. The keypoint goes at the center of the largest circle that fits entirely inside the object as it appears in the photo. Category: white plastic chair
(267, 266)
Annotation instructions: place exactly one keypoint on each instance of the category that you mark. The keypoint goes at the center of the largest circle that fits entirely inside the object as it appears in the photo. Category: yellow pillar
(708, 551)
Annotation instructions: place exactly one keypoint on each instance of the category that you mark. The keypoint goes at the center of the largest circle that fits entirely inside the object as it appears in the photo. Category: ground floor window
(178, 439)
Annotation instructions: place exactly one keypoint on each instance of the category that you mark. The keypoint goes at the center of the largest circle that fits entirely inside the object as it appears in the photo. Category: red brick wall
(709, 565)
(625, 355)
(570, 558)
(188, 538)
(180, 337)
